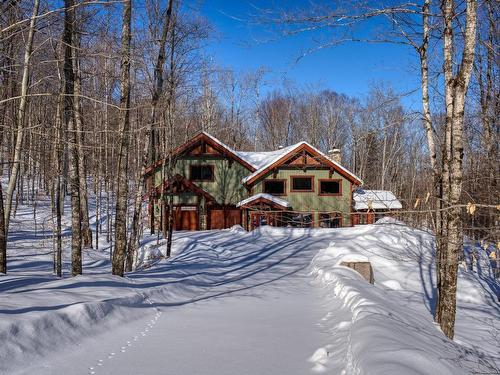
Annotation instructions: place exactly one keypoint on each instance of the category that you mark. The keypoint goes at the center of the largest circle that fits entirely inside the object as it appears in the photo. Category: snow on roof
(380, 200)
(270, 197)
(255, 159)
(261, 160)
(280, 153)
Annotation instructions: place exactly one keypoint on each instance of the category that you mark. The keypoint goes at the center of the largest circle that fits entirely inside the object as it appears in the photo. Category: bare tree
(156, 95)
(69, 120)
(119, 253)
(20, 130)
(456, 86)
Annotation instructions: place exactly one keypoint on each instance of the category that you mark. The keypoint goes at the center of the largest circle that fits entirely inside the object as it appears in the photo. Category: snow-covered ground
(273, 301)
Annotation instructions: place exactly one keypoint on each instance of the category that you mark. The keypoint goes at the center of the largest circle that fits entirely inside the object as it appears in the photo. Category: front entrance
(258, 219)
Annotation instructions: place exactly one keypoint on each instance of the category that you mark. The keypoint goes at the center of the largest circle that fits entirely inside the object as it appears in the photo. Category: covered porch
(263, 209)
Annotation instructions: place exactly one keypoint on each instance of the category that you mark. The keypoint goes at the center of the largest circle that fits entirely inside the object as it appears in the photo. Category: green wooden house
(215, 187)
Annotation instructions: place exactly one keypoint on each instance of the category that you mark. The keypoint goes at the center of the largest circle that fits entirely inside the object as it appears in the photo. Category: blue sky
(349, 69)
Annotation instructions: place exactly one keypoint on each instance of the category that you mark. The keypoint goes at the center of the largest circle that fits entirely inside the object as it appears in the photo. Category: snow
(380, 200)
(263, 158)
(390, 327)
(269, 197)
(272, 301)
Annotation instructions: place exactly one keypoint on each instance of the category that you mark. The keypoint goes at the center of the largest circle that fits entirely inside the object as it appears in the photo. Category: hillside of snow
(272, 301)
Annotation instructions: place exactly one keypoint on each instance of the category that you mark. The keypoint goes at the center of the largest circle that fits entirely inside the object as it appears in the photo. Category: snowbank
(391, 330)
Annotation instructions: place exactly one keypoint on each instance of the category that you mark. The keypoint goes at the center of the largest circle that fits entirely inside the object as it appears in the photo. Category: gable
(304, 159)
(203, 145)
(302, 156)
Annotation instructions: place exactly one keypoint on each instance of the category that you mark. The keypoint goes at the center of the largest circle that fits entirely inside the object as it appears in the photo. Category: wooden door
(222, 218)
(233, 217)
(216, 219)
(186, 218)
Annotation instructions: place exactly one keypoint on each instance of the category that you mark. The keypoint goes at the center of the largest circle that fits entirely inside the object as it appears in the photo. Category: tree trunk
(119, 253)
(3, 237)
(455, 93)
(169, 143)
(84, 206)
(20, 118)
(430, 135)
(57, 202)
(157, 92)
(69, 120)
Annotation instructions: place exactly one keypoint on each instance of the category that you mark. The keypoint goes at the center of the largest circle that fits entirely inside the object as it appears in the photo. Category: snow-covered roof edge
(286, 151)
(380, 199)
(293, 148)
(269, 197)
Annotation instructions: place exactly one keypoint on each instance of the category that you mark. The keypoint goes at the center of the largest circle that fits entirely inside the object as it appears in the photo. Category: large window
(202, 173)
(302, 183)
(330, 187)
(274, 187)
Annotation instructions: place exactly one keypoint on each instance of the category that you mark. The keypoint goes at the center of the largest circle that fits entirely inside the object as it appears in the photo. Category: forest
(92, 92)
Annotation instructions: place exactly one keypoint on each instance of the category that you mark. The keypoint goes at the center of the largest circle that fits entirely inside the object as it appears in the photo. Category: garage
(223, 217)
(186, 218)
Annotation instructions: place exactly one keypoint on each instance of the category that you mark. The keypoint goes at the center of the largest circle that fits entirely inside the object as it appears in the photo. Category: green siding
(311, 201)
(226, 188)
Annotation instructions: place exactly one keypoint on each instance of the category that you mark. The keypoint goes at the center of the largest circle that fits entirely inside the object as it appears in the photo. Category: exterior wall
(226, 187)
(312, 201)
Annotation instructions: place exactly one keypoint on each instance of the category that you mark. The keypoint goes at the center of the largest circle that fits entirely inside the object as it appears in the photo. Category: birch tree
(456, 84)
(21, 112)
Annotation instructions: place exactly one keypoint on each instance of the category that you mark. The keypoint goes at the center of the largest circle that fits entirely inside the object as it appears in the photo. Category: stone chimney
(335, 155)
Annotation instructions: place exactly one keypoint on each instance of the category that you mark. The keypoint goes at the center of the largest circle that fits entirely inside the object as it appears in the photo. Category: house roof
(264, 197)
(214, 142)
(261, 159)
(280, 157)
(377, 199)
(259, 163)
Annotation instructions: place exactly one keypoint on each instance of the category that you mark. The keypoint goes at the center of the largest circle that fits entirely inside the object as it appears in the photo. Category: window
(330, 187)
(302, 183)
(202, 172)
(274, 187)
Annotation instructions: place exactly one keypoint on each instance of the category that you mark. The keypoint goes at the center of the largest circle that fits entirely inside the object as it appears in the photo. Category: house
(215, 187)
(371, 205)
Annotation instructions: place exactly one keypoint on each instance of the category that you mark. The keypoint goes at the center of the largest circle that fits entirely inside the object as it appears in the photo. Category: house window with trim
(330, 187)
(201, 173)
(274, 187)
(302, 183)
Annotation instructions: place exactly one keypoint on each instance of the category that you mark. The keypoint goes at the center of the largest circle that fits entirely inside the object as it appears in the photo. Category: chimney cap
(334, 151)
